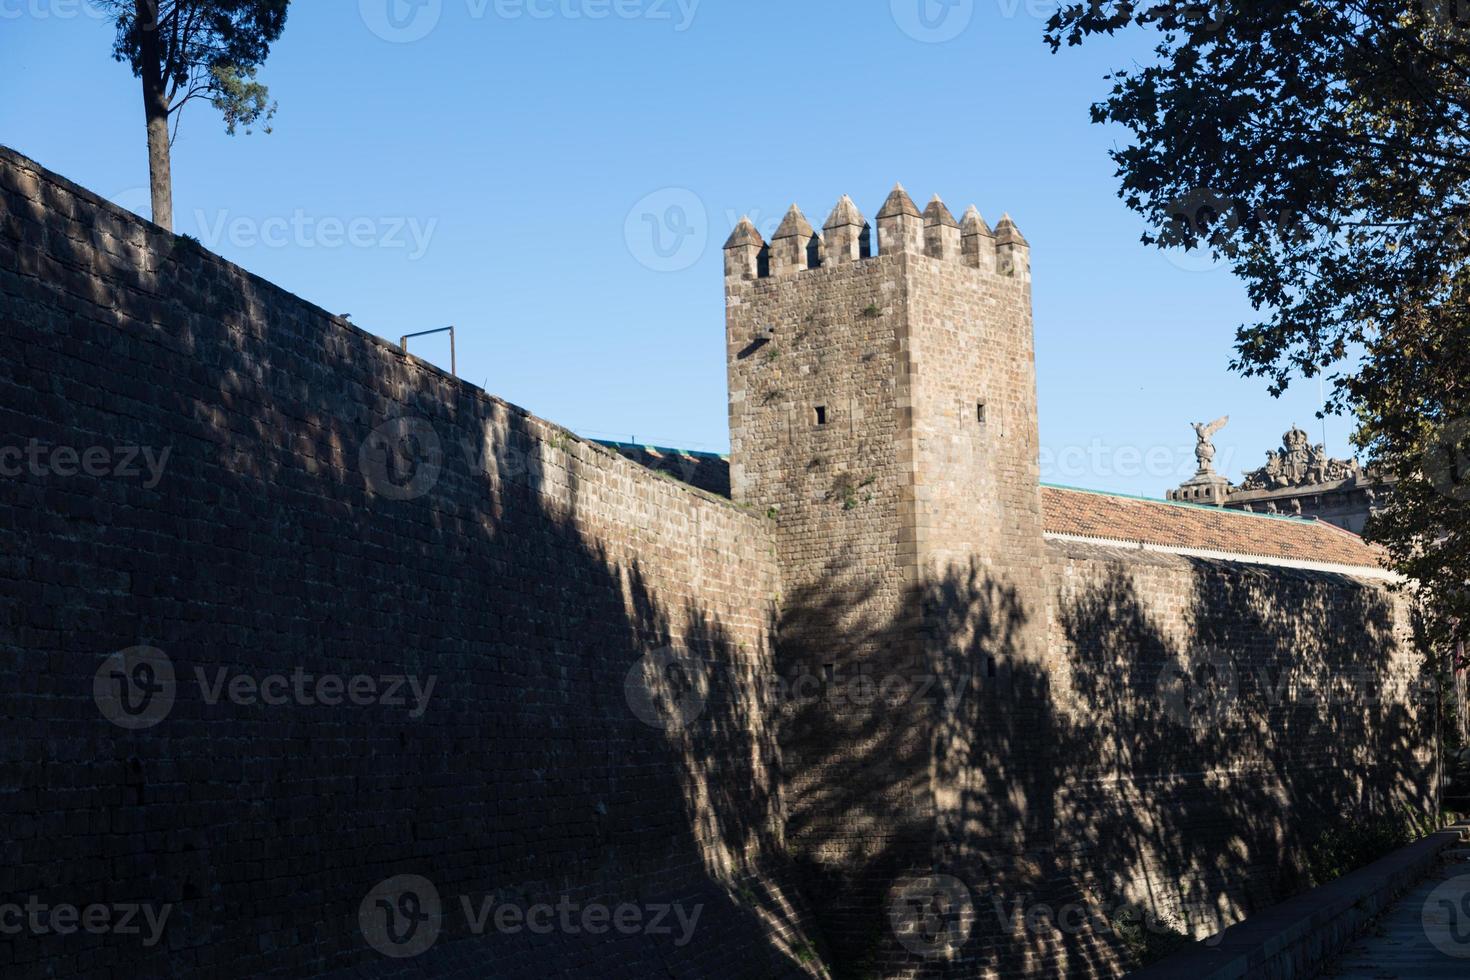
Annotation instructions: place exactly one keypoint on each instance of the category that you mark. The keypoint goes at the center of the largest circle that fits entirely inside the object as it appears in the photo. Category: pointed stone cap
(846, 214)
(794, 225)
(1006, 233)
(974, 224)
(745, 233)
(899, 203)
(937, 214)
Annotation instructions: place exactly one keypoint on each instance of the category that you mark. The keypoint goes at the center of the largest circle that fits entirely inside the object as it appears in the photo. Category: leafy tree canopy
(1322, 150)
(204, 49)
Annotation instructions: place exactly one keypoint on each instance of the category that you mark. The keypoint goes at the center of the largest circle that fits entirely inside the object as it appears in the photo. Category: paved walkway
(1423, 936)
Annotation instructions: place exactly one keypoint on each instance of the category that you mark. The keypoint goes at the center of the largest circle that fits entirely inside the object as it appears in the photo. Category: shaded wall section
(1197, 726)
(598, 639)
(1214, 718)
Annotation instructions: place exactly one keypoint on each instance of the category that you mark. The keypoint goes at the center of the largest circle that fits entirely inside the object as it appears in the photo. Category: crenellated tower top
(902, 228)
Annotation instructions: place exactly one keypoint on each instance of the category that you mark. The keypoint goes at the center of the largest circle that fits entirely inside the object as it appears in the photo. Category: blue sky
(490, 163)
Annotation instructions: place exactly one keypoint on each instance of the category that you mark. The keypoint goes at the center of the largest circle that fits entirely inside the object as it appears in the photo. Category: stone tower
(883, 413)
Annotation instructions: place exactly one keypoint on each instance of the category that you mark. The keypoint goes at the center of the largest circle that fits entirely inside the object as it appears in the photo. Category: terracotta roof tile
(1090, 514)
(1094, 514)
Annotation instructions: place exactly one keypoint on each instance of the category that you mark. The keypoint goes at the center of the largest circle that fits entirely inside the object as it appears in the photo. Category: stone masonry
(883, 413)
(872, 714)
(533, 575)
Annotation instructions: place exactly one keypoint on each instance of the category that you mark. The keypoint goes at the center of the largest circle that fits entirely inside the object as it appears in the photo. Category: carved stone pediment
(1299, 463)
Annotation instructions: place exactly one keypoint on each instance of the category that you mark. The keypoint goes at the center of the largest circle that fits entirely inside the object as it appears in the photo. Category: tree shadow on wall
(1309, 724)
(1085, 805)
(274, 543)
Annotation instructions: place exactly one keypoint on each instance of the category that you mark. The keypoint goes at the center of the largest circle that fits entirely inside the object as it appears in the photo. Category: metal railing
(403, 343)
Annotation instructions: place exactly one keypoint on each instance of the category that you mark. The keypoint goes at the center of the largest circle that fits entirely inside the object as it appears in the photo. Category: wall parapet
(902, 229)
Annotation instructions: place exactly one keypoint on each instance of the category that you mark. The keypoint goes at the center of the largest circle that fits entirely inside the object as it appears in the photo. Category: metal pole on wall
(453, 367)
(1458, 658)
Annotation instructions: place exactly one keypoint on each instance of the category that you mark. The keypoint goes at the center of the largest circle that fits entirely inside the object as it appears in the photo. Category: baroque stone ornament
(1300, 464)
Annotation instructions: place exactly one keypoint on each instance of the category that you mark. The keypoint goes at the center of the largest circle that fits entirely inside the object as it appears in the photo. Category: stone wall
(320, 503)
(643, 696)
(815, 419)
(1110, 794)
(883, 407)
(1212, 719)
(983, 733)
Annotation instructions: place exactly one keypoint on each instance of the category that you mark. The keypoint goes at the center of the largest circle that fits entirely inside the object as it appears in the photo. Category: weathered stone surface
(894, 682)
(528, 579)
(886, 412)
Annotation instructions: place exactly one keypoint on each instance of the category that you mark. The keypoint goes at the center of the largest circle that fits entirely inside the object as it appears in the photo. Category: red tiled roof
(1089, 514)
(1093, 514)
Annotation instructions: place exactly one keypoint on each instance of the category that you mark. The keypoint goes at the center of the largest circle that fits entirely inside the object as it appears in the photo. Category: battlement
(847, 237)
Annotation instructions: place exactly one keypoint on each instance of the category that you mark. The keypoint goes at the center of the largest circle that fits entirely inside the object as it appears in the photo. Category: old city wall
(1212, 719)
(330, 505)
(988, 729)
(613, 718)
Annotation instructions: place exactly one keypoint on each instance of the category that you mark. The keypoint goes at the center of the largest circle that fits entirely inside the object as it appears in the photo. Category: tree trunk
(155, 110)
(160, 180)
